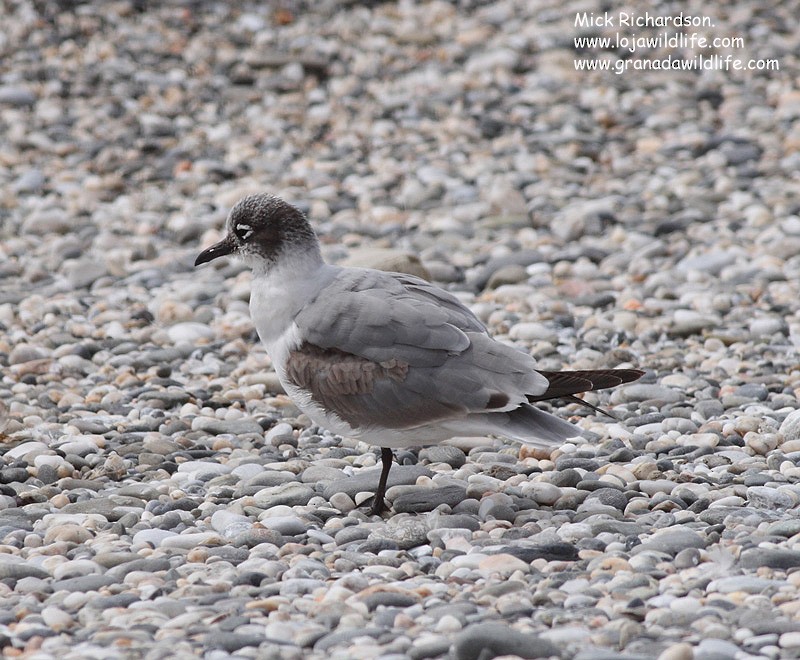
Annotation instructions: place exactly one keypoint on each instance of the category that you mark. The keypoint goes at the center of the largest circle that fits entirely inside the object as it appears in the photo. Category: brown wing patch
(365, 393)
(342, 383)
(329, 371)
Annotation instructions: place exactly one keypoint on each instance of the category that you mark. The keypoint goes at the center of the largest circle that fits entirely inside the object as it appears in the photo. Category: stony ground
(160, 497)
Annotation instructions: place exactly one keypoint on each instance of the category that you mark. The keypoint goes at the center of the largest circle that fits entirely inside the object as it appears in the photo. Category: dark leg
(378, 503)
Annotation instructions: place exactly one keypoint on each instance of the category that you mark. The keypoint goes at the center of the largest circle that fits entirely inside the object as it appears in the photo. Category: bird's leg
(378, 503)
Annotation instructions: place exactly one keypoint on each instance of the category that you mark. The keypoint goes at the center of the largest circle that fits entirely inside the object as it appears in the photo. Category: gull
(383, 357)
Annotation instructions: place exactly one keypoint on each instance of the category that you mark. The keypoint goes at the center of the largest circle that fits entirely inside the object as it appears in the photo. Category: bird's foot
(377, 505)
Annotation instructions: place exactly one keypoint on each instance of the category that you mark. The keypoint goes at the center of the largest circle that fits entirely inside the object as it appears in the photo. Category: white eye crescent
(244, 231)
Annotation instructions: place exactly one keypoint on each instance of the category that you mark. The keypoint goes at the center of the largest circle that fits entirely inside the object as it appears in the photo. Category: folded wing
(392, 351)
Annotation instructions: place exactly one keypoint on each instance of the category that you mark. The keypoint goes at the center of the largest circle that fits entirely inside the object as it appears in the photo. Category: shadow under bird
(387, 358)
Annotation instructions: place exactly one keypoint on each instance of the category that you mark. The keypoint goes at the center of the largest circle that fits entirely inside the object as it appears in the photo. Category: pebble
(288, 494)
(189, 332)
(790, 427)
(427, 499)
(645, 392)
(769, 557)
(16, 96)
(495, 639)
(234, 427)
(672, 541)
(452, 456)
(367, 480)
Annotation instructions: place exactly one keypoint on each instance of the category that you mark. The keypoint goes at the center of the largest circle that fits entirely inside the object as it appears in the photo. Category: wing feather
(391, 350)
(563, 384)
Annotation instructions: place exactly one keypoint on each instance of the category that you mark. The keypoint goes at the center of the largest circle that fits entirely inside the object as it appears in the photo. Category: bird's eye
(243, 231)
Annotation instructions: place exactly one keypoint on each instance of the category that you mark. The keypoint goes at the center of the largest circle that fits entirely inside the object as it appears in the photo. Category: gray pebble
(84, 583)
(285, 525)
(289, 494)
(405, 532)
(764, 497)
(16, 96)
(487, 640)
(611, 497)
(252, 537)
(710, 262)
(427, 499)
(31, 181)
(14, 571)
(770, 557)
(645, 392)
(146, 564)
(456, 521)
(235, 427)
(367, 480)
(429, 649)
(785, 528)
(566, 462)
(344, 637)
(716, 649)
(688, 322)
(84, 272)
(790, 427)
(453, 456)
(232, 642)
(388, 599)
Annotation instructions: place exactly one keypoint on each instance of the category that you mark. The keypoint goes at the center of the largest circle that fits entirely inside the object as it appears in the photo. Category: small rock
(510, 274)
(82, 273)
(189, 332)
(671, 541)
(367, 480)
(394, 261)
(23, 353)
(405, 532)
(219, 426)
(453, 456)
(427, 499)
(16, 96)
(285, 525)
(790, 428)
(488, 640)
(780, 558)
(686, 322)
(764, 497)
(288, 494)
(645, 392)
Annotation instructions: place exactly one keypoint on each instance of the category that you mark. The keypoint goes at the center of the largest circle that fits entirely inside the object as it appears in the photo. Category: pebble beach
(161, 496)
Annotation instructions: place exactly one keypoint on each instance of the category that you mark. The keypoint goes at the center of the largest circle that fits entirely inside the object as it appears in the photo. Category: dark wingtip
(564, 383)
(627, 375)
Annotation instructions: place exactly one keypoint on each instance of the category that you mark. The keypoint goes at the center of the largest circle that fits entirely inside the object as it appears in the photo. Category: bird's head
(260, 229)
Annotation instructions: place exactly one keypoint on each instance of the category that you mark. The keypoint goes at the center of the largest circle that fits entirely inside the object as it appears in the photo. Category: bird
(384, 357)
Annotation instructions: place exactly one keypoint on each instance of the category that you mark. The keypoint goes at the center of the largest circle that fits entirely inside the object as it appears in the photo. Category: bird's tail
(537, 427)
(526, 423)
(532, 426)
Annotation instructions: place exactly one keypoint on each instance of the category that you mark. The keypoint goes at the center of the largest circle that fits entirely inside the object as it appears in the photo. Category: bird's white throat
(281, 291)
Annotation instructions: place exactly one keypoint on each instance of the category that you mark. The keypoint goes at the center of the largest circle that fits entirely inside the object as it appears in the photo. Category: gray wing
(379, 315)
(392, 350)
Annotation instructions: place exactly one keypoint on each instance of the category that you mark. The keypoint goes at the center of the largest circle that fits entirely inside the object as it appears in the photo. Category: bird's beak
(225, 246)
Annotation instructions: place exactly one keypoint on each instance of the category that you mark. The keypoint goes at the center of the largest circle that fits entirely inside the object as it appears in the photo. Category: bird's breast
(272, 309)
